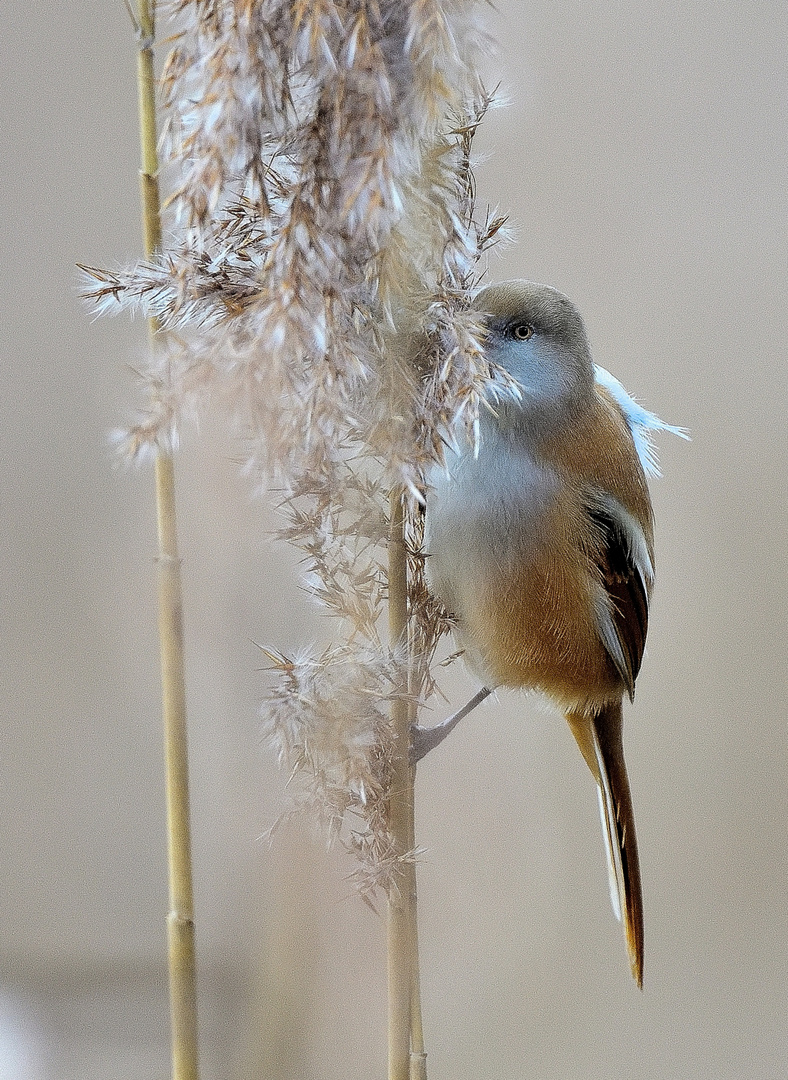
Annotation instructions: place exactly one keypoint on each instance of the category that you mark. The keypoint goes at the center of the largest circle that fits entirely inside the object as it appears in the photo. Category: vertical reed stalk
(418, 1056)
(406, 1042)
(180, 920)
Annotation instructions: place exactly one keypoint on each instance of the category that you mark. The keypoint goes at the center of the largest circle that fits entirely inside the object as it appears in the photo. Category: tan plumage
(541, 546)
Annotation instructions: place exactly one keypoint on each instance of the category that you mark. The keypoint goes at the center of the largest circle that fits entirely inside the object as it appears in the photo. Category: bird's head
(536, 334)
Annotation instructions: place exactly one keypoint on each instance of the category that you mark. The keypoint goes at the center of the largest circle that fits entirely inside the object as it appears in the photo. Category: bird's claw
(424, 739)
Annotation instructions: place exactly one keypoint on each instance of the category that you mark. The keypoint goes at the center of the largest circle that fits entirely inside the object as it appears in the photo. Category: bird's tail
(600, 740)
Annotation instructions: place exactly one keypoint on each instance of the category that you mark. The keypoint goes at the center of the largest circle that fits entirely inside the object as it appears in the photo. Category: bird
(539, 542)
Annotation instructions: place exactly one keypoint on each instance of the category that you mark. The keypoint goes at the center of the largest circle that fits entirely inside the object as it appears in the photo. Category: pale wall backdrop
(643, 159)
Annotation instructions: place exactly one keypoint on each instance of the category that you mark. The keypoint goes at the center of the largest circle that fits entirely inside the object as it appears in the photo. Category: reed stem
(406, 1041)
(418, 1056)
(180, 919)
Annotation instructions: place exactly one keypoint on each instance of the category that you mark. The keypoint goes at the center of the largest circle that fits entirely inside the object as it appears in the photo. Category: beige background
(644, 159)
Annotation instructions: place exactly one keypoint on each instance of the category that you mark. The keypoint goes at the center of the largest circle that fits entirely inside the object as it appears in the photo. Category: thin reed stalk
(418, 1054)
(402, 915)
(180, 919)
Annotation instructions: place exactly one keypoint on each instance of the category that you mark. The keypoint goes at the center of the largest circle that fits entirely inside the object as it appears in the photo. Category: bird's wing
(626, 573)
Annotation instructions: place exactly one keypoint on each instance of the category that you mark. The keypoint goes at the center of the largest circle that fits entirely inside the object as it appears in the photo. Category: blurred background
(643, 160)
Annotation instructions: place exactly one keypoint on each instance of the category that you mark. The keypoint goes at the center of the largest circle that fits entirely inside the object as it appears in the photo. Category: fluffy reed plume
(321, 248)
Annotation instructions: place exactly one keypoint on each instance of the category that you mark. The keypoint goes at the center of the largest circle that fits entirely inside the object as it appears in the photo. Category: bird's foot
(424, 739)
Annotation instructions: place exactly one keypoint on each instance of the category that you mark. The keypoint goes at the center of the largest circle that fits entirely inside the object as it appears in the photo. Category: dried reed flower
(320, 254)
(328, 720)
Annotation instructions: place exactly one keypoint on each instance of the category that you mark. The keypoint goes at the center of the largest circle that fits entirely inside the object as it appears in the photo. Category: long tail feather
(600, 741)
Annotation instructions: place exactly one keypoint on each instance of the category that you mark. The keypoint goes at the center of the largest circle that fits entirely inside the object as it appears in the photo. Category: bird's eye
(522, 331)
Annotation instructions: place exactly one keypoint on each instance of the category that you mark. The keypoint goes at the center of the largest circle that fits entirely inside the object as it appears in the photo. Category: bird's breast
(506, 541)
(485, 515)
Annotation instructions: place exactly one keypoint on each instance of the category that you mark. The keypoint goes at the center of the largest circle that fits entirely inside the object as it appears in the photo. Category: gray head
(537, 335)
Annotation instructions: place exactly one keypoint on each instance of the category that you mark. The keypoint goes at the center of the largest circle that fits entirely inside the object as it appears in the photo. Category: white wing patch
(641, 422)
